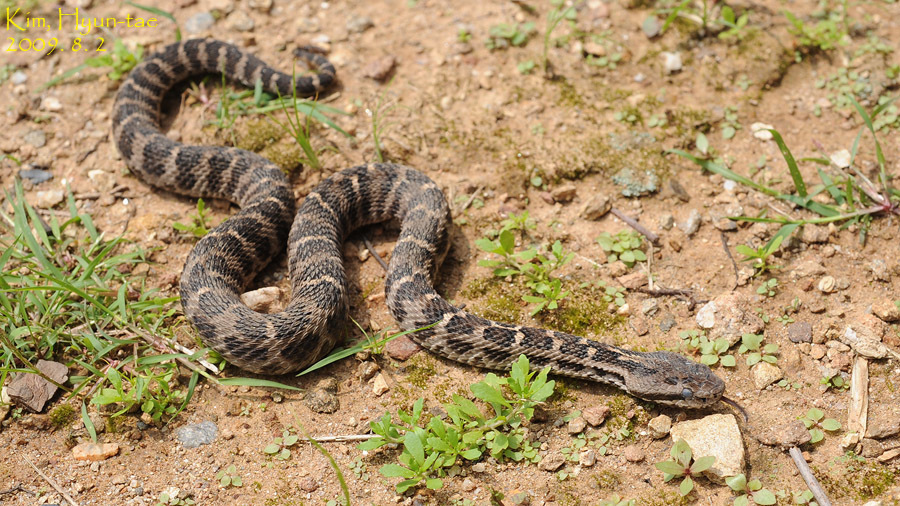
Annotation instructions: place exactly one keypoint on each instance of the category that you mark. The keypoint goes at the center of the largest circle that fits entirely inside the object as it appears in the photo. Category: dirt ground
(481, 124)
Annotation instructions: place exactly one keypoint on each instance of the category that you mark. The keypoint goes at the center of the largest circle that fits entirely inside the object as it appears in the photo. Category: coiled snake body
(223, 262)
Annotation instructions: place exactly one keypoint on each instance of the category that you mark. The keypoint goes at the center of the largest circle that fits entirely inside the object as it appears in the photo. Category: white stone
(761, 131)
(718, 436)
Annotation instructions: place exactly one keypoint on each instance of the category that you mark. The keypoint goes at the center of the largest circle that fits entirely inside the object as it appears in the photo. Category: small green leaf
(271, 449)
(396, 471)
(488, 394)
(830, 424)
(815, 414)
(737, 483)
(816, 435)
(670, 467)
(702, 464)
(703, 147)
(686, 486)
(764, 497)
(728, 361)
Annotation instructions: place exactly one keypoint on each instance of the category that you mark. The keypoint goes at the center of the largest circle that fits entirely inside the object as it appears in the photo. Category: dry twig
(631, 222)
(52, 483)
(811, 482)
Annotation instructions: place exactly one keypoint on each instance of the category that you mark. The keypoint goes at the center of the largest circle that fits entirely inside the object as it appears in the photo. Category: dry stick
(471, 199)
(811, 482)
(371, 248)
(340, 439)
(631, 222)
(52, 483)
(733, 263)
(17, 488)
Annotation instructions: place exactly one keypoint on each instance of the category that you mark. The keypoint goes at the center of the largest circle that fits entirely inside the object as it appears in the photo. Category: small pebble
(199, 22)
(633, 453)
(671, 62)
(660, 426)
(595, 415)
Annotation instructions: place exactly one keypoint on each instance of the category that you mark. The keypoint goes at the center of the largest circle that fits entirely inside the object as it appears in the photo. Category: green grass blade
(799, 184)
(88, 424)
(256, 382)
(868, 121)
(725, 172)
(159, 12)
(65, 75)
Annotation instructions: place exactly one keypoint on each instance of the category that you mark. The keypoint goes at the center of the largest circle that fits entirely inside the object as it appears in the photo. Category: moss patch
(580, 314)
(852, 477)
(62, 415)
(496, 299)
(420, 370)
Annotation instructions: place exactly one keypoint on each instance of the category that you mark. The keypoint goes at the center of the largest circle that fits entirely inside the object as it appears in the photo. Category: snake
(224, 262)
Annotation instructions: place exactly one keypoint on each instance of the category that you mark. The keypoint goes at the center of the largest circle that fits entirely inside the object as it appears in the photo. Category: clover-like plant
(752, 344)
(815, 422)
(747, 491)
(684, 465)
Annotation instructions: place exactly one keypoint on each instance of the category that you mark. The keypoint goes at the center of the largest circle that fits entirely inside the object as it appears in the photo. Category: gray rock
(197, 434)
(666, 221)
(649, 307)
(36, 176)
(48, 199)
(800, 332)
(18, 77)
(261, 5)
(880, 270)
(36, 138)
(359, 24)
(716, 435)
(199, 22)
(587, 458)
(692, 224)
(596, 207)
(870, 448)
(815, 234)
(576, 425)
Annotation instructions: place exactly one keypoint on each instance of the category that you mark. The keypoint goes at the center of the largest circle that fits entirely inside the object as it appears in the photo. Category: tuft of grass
(857, 199)
(119, 62)
(431, 449)
(66, 293)
(532, 264)
(198, 227)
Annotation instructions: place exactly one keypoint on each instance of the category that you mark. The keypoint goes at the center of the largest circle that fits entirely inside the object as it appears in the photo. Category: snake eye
(687, 393)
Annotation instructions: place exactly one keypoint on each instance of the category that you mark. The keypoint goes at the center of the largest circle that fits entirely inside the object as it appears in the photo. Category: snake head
(671, 379)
